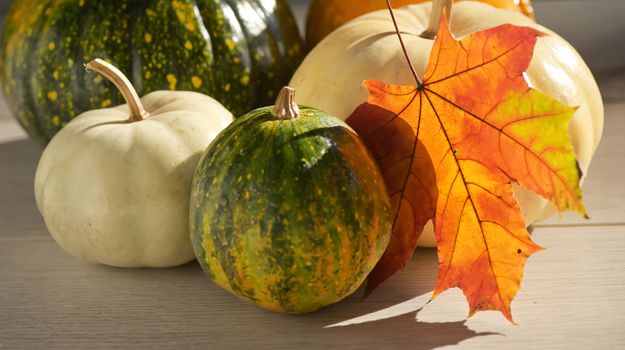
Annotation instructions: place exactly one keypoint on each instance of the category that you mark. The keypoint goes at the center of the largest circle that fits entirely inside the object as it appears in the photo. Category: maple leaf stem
(403, 46)
(457, 145)
(438, 6)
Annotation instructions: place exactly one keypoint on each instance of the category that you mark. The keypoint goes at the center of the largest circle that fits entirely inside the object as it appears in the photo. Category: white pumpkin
(115, 190)
(331, 76)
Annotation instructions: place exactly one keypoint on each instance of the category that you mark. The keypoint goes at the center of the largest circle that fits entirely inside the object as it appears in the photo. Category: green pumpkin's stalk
(435, 17)
(285, 107)
(115, 76)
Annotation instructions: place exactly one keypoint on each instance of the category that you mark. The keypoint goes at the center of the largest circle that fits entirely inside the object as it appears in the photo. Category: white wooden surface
(572, 297)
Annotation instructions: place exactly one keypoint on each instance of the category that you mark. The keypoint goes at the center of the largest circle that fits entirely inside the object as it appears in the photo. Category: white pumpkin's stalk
(285, 107)
(115, 76)
(403, 46)
(435, 17)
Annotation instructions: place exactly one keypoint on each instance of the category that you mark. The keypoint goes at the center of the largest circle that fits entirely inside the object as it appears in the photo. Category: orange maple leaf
(450, 148)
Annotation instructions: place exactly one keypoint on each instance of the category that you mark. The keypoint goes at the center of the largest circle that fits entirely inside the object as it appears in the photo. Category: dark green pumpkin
(240, 52)
(289, 214)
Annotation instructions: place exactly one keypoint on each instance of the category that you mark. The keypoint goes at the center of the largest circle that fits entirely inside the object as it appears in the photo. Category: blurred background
(595, 27)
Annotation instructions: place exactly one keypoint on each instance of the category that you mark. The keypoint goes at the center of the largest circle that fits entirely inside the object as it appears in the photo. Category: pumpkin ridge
(134, 71)
(284, 211)
(197, 45)
(27, 97)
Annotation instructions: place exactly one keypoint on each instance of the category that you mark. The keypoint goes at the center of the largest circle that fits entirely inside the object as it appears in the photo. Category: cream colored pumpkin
(117, 192)
(331, 76)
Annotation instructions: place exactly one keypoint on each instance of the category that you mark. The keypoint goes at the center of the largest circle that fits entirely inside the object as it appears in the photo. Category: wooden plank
(573, 297)
(573, 294)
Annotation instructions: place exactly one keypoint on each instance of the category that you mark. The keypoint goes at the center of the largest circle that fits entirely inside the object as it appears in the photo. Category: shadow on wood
(79, 305)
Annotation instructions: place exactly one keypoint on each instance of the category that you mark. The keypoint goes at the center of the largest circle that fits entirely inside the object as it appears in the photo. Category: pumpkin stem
(285, 107)
(403, 46)
(435, 17)
(115, 76)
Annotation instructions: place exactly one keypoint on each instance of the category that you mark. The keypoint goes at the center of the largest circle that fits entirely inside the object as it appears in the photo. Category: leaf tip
(506, 312)
(435, 294)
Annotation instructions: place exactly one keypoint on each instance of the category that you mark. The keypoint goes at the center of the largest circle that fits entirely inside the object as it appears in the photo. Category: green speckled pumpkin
(240, 52)
(288, 209)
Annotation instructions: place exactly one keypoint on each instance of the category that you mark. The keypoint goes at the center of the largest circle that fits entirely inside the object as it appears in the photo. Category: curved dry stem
(115, 76)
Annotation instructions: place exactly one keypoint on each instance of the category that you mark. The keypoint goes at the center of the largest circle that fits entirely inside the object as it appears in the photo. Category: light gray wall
(595, 27)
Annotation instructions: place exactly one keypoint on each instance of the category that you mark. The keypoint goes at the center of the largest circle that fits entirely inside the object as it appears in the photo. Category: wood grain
(572, 296)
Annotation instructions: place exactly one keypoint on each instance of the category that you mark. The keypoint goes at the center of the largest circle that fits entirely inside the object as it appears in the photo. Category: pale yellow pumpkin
(331, 76)
(115, 190)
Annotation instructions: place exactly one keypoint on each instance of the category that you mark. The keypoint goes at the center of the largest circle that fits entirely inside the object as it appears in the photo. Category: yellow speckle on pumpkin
(148, 37)
(55, 75)
(245, 79)
(106, 103)
(188, 45)
(227, 87)
(231, 45)
(51, 46)
(172, 81)
(52, 95)
(56, 121)
(197, 82)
